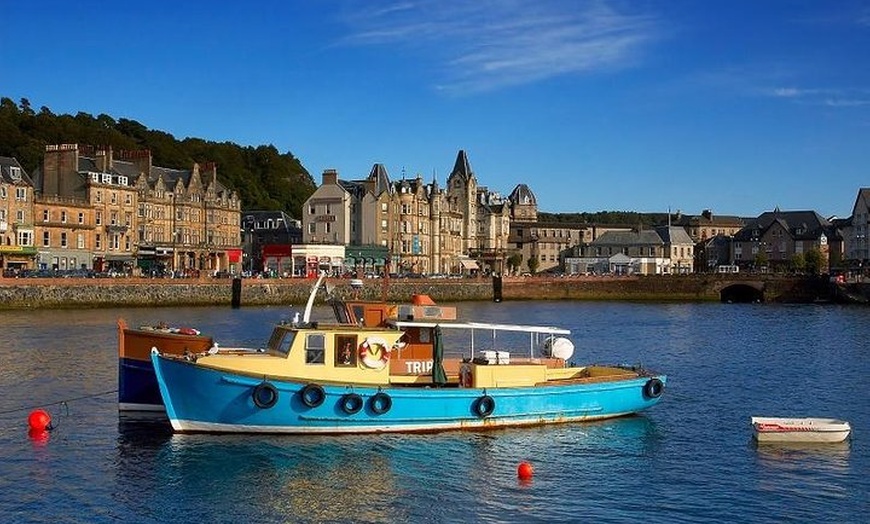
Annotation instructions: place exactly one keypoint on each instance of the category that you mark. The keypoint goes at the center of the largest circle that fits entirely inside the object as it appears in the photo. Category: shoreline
(66, 293)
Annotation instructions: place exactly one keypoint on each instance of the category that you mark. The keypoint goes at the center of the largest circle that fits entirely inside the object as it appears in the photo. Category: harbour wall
(66, 293)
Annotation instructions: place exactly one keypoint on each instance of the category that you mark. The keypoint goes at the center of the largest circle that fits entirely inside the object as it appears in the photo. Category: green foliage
(533, 264)
(761, 259)
(798, 262)
(814, 260)
(624, 218)
(264, 178)
(515, 261)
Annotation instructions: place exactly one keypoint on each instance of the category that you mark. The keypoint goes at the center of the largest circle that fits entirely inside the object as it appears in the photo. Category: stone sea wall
(124, 292)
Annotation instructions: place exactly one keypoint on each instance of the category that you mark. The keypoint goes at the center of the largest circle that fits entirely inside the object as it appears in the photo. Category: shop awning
(469, 264)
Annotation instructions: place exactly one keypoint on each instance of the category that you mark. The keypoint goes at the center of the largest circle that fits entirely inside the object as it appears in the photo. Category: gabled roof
(801, 225)
(6, 165)
(381, 179)
(646, 237)
(522, 195)
(462, 167)
(674, 235)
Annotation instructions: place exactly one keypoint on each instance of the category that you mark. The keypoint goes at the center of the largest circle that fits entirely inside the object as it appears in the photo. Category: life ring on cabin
(374, 353)
(312, 395)
(380, 403)
(484, 406)
(265, 395)
(653, 388)
(351, 403)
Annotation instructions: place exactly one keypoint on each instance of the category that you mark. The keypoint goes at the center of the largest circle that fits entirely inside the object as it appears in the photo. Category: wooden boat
(137, 384)
(392, 376)
(772, 429)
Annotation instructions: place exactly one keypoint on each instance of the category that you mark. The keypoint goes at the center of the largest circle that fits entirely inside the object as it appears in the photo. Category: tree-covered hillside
(264, 178)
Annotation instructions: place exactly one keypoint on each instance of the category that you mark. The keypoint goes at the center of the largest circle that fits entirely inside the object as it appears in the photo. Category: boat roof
(480, 325)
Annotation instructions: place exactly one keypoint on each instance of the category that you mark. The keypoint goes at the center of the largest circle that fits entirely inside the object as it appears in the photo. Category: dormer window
(15, 172)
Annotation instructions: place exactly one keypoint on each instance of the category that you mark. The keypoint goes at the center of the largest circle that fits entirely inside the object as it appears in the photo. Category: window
(3, 192)
(99, 197)
(98, 244)
(19, 216)
(311, 209)
(45, 215)
(46, 239)
(113, 218)
(128, 199)
(21, 194)
(315, 348)
(63, 216)
(25, 238)
(63, 240)
(114, 197)
(81, 218)
(80, 241)
(312, 228)
(98, 218)
(345, 350)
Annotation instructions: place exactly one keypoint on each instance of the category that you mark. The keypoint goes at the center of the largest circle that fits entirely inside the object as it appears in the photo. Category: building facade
(96, 211)
(17, 232)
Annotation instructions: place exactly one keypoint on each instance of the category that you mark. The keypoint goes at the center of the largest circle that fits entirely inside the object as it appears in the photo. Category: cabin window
(345, 350)
(315, 348)
(281, 341)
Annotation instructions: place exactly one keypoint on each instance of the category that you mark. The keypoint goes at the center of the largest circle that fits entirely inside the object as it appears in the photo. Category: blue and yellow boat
(394, 377)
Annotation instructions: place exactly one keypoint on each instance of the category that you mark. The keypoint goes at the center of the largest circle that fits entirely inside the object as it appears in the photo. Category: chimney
(330, 176)
(59, 163)
(103, 159)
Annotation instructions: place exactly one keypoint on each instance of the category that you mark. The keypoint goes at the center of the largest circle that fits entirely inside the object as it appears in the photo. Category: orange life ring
(374, 353)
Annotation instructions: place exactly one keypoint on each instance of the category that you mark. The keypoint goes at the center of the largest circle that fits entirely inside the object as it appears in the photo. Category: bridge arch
(742, 293)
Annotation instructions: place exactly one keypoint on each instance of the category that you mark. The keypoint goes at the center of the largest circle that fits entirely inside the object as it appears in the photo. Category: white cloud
(488, 44)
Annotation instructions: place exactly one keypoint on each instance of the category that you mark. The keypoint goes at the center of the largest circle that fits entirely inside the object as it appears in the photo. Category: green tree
(515, 261)
(761, 260)
(813, 259)
(798, 262)
(533, 264)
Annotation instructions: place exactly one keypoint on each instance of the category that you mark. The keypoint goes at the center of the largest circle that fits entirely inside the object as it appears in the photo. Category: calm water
(690, 459)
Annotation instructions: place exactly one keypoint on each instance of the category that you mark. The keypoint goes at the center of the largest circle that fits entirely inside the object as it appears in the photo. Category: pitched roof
(6, 165)
(462, 167)
(801, 225)
(522, 195)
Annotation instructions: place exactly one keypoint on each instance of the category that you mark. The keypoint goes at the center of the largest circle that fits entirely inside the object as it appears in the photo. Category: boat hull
(202, 399)
(137, 383)
(793, 430)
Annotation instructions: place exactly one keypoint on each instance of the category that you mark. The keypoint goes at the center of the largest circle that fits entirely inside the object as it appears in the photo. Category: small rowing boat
(773, 429)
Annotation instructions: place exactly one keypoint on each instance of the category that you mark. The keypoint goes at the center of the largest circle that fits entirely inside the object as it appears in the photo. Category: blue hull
(137, 386)
(200, 399)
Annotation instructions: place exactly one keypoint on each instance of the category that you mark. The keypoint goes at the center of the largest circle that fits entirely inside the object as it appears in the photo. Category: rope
(59, 402)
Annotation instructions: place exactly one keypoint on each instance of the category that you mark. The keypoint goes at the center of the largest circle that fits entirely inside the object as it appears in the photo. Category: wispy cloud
(490, 44)
(822, 96)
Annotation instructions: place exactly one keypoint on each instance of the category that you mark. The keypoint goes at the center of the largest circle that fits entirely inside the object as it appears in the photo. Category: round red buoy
(38, 436)
(39, 420)
(525, 471)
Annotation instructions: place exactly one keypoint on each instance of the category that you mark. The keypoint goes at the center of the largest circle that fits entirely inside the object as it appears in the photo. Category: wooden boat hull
(137, 383)
(792, 430)
(203, 399)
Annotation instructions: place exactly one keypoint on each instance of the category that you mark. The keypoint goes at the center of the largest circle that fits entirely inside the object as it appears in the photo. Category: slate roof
(6, 163)
(462, 167)
(522, 195)
(801, 225)
(647, 237)
(674, 235)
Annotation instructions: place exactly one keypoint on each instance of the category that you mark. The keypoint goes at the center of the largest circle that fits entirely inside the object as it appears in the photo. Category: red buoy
(39, 420)
(525, 471)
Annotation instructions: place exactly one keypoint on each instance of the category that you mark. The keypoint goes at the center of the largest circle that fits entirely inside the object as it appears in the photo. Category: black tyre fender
(312, 395)
(653, 388)
(265, 395)
(351, 403)
(380, 403)
(483, 406)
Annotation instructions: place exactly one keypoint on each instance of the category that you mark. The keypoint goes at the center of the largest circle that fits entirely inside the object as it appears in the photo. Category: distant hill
(264, 178)
(623, 218)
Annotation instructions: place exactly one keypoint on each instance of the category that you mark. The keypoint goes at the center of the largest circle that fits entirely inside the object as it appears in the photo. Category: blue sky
(735, 106)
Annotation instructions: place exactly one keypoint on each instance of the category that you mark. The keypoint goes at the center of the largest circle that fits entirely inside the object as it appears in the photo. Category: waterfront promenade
(49, 293)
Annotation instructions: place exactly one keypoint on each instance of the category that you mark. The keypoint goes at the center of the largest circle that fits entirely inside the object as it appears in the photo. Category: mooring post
(496, 287)
(237, 292)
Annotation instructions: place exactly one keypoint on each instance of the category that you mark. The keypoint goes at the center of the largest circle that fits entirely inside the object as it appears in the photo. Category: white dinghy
(773, 429)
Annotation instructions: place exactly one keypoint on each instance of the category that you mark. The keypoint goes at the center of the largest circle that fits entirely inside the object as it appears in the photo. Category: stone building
(416, 226)
(17, 233)
(144, 217)
(774, 238)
